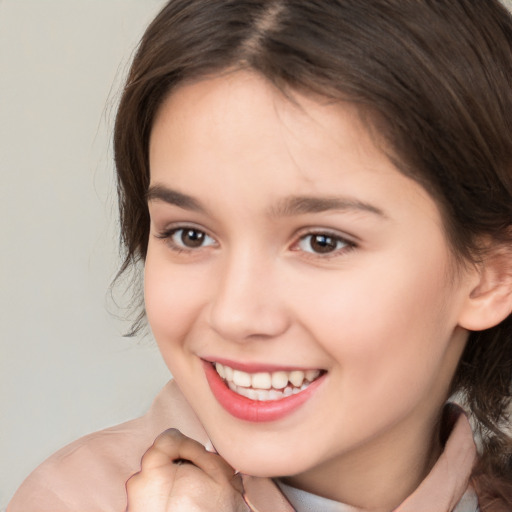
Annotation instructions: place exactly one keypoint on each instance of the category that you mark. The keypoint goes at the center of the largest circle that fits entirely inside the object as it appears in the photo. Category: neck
(378, 476)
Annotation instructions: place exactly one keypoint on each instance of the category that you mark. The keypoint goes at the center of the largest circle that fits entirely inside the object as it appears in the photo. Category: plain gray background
(65, 369)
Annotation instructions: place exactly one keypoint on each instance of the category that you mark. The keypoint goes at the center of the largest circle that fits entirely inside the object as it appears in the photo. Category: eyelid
(173, 226)
(167, 233)
(349, 241)
(335, 233)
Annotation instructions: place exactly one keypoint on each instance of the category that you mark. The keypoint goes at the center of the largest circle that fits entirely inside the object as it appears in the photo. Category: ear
(489, 300)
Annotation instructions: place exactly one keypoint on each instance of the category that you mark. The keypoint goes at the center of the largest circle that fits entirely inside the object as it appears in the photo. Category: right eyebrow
(170, 196)
(299, 205)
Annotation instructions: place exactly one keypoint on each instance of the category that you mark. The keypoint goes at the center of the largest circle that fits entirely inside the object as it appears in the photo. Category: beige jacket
(89, 475)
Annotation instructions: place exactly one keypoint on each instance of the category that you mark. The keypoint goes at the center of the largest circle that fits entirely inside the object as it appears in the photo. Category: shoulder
(89, 475)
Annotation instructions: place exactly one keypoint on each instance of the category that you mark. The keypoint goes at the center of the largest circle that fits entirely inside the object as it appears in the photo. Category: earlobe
(489, 300)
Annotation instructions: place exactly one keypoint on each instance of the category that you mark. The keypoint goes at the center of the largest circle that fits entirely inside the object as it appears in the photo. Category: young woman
(321, 195)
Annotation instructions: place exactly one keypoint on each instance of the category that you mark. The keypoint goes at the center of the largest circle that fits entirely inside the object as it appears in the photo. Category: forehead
(238, 134)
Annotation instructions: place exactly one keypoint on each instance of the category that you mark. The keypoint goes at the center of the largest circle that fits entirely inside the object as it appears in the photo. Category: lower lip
(255, 411)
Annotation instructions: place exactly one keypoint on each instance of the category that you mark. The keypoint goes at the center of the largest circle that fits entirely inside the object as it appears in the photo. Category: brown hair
(434, 77)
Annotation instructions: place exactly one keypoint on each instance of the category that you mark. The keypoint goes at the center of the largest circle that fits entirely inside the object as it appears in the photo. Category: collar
(445, 489)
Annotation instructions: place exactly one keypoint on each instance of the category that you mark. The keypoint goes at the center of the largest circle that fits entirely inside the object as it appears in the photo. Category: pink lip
(254, 367)
(253, 410)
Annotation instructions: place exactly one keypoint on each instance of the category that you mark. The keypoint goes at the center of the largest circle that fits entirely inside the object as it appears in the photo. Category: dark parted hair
(433, 78)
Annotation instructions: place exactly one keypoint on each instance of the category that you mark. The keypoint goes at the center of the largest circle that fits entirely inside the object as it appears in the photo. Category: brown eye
(322, 243)
(192, 238)
(189, 238)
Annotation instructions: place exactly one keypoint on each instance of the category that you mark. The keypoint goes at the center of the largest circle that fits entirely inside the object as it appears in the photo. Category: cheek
(386, 328)
(173, 296)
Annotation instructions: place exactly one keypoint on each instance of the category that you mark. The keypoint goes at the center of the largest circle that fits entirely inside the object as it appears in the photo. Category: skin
(167, 482)
(380, 313)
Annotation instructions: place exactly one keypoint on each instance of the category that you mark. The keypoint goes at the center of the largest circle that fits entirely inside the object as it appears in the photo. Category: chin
(263, 463)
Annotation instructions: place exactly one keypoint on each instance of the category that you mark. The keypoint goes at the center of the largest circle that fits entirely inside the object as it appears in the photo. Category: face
(296, 283)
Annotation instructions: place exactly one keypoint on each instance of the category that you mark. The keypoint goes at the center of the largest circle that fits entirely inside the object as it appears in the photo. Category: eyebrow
(289, 206)
(297, 205)
(170, 196)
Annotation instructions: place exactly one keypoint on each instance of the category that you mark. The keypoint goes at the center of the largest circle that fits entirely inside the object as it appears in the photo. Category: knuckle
(133, 483)
(173, 433)
(147, 458)
(170, 437)
(215, 465)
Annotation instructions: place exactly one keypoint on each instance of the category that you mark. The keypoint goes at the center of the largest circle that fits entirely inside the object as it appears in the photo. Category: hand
(179, 475)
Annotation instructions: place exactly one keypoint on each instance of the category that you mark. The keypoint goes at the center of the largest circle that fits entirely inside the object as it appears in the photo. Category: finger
(172, 445)
(167, 447)
(149, 491)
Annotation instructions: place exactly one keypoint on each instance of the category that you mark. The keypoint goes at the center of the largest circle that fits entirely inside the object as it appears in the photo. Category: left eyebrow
(170, 196)
(299, 205)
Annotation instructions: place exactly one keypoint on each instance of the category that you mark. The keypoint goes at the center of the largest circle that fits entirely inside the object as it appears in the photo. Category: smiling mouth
(266, 386)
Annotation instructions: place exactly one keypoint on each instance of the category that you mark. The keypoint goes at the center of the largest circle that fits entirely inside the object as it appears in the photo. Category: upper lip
(254, 367)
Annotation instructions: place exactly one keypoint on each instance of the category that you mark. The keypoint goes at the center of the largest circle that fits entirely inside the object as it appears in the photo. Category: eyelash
(169, 234)
(329, 238)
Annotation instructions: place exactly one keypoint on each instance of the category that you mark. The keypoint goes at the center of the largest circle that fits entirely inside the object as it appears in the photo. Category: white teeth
(242, 379)
(261, 380)
(266, 395)
(274, 394)
(228, 373)
(252, 394)
(280, 380)
(220, 370)
(296, 378)
(266, 385)
(262, 395)
(311, 375)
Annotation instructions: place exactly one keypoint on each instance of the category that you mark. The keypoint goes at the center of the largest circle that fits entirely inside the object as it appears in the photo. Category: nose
(246, 302)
